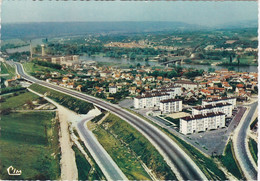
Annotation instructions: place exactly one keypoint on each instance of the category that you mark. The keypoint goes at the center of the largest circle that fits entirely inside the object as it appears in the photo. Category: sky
(192, 12)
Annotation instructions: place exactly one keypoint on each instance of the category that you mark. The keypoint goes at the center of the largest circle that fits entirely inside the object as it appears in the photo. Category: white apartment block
(149, 100)
(202, 122)
(188, 85)
(230, 100)
(224, 107)
(169, 89)
(171, 105)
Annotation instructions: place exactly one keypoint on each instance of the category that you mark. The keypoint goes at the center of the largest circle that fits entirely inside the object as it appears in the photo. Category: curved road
(240, 146)
(180, 162)
(105, 162)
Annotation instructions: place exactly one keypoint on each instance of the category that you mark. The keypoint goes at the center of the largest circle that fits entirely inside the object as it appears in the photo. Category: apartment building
(171, 105)
(202, 122)
(230, 100)
(61, 60)
(223, 107)
(150, 100)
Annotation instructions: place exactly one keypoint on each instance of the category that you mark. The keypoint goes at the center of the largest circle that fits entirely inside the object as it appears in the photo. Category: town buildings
(150, 100)
(230, 100)
(188, 85)
(171, 105)
(202, 122)
(61, 60)
(224, 107)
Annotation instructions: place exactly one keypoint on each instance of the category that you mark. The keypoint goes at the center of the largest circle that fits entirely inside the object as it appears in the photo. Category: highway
(181, 164)
(103, 159)
(240, 146)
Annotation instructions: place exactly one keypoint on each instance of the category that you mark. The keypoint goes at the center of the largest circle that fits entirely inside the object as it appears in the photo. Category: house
(65, 79)
(105, 74)
(112, 89)
(70, 85)
(132, 90)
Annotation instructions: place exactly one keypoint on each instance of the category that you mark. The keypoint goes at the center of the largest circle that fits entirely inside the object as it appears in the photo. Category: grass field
(126, 160)
(253, 149)
(229, 162)
(74, 104)
(15, 102)
(129, 137)
(7, 69)
(30, 67)
(82, 164)
(29, 141)
(30, 144)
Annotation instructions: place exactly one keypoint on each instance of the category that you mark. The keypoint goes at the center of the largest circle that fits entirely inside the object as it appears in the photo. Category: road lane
(180, 162)
(103, 159)
(240, 145)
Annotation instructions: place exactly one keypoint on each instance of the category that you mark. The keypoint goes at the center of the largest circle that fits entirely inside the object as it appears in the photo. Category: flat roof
(170, 100)
(210, 106)
(200, 116)
(218, 99)
(157, 94)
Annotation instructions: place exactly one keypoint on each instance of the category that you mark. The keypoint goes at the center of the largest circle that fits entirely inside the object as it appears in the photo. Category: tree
(230, 59)
(211, 69)
(238, 60)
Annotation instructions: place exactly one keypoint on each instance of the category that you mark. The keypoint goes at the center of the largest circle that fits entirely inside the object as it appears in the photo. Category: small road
(240, 142)
(103, 159)
(181, 164)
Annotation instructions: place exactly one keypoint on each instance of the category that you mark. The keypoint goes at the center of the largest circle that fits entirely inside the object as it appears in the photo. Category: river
(35, 42)
(134, 62)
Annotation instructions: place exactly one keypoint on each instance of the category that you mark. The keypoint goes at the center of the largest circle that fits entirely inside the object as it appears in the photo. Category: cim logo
(13, 171)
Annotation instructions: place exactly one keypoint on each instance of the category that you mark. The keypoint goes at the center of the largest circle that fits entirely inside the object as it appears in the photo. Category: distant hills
(33, 30)
(52, 29)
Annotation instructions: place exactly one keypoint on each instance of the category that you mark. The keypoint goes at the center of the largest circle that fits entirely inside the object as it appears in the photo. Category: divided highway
(177, 159)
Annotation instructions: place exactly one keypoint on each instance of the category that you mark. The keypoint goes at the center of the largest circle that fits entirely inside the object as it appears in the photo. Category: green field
(229, 162)
(126, 160)
(30, 144)
(82, 164)
(7, 69)
(253, 149)
(31, 67)
(16, 102)
(29, 140)
(74, 104)
(125, 145)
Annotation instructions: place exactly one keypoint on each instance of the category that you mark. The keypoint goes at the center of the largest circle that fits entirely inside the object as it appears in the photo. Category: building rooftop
(157, 94)
(200, 116)
(170, 100)
(218, 99)
(210, 106)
